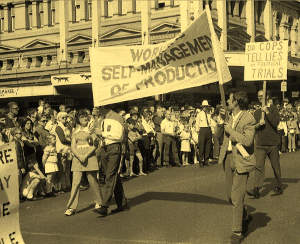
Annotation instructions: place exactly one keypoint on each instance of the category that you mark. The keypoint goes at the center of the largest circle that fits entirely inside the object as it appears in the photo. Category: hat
(205, 103)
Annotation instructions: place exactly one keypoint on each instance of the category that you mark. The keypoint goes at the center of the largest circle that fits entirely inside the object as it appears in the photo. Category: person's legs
(92, 178)
(208, 145)
(216, 146)
(201, 146)
(111, 156)
(140, 158)
(175, 151)
(274, 157)
(167, 145)
(238, 192)
(73, 200)
(228, 176)
(290, 142)
(294, 143)
(159, 148)
(260, 154)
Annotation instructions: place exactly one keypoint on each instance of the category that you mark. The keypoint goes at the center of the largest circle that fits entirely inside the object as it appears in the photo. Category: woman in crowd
(83, 147)
(63, 143)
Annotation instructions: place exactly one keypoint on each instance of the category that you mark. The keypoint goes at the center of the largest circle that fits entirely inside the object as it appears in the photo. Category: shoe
(236, 238)
(83, 188)
(102, 211)
(133, 174)
(97, 206)
(121, 208)
(277, 191)
(142, 174)
(254, 193)
(70, 212)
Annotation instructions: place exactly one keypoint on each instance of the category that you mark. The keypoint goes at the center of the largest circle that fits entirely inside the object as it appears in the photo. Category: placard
(266, 61)
(9, 196)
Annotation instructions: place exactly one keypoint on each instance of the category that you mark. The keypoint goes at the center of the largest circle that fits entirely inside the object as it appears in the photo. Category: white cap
(205, 103)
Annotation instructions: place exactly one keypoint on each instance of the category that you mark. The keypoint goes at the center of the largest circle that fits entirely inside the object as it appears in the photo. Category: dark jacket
(267, 135)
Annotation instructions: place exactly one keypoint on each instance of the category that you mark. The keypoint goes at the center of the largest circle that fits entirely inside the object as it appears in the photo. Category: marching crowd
(56, 149)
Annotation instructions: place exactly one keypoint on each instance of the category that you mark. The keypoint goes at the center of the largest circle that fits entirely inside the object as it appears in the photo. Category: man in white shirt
(169, 143)
(205, 134)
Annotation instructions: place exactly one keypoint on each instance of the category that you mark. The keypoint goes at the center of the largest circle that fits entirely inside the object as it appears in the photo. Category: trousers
(261, 152)
(110, 157)
(236, 185)
(204, 144)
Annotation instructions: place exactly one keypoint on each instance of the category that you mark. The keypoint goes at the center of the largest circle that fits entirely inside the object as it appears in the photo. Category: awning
(27, 91)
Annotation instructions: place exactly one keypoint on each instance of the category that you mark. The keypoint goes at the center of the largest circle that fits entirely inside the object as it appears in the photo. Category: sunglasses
(15, 108)
(43, 121)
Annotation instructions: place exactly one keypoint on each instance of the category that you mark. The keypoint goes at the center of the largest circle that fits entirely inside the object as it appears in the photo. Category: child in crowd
(50, 162)
(185, 138)
(32, 181)
(292, 130)
(133, 137)
(194, 142)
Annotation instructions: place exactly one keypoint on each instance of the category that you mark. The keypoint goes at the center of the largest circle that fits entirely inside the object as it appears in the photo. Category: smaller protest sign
(266, 61)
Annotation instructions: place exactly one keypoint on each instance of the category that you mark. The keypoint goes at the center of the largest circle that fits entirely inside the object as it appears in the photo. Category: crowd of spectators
(156, 136)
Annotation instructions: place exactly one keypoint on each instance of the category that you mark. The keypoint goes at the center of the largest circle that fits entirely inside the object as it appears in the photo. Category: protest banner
(266, 61)
(123, 73)
(9, 196)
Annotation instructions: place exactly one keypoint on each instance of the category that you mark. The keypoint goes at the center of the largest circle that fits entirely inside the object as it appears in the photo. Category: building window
(75, 6)
(51, 12)
(134, 6)
(39, 61)
(81, 56)
(1, 19)
(29, 62)
(120, 7)
(88, 9)
(49, 60)
(106, 8)
(1, 64)
(10, 64)
(11, 18)
(172, 4)
(39, 13)
(28, 15)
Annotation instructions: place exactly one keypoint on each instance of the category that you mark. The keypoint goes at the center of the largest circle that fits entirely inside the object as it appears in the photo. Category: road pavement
(171, 205)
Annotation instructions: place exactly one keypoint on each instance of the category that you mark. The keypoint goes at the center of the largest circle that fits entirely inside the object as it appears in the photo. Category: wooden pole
(220, 77)
(264, 98)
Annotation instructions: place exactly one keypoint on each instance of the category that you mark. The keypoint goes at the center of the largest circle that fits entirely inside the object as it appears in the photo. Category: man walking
(112, 132)
(267, 144)
(204, 134)
(237, 157)
(169, 142)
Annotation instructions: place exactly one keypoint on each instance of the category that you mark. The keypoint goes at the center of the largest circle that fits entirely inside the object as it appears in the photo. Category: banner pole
(264, 98)
(213, 35)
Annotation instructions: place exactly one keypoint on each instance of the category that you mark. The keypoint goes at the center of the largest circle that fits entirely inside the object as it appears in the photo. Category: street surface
(171, 205)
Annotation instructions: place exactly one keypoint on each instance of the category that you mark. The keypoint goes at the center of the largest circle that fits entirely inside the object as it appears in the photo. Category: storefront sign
(295, 94)
(130, 72)
(283, 86)
(9, 196)
(71, 79)
(266, 61)
(28, 91)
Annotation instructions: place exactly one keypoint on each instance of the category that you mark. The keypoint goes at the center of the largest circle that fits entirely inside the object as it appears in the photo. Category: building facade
(40, 39)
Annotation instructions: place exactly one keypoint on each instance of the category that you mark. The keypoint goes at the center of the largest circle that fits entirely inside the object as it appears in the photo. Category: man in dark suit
(267, 141)
(237, 157)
